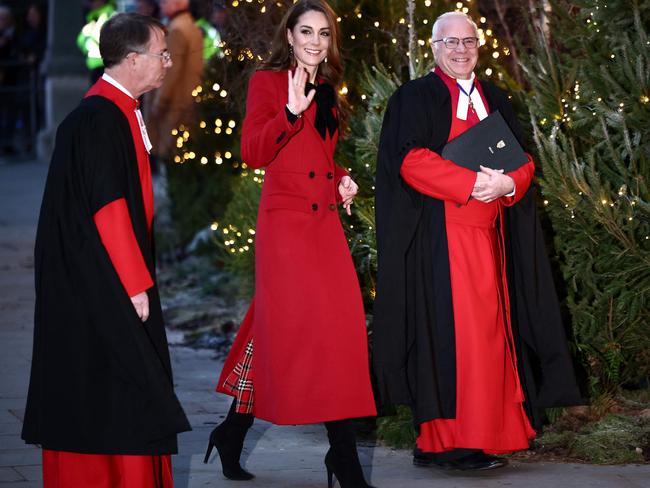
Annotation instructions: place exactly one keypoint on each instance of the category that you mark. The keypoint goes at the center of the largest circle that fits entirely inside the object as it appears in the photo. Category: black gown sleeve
(103, 173)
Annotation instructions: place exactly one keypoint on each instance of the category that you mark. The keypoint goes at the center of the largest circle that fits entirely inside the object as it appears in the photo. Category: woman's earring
(325, 60)
(291, 50)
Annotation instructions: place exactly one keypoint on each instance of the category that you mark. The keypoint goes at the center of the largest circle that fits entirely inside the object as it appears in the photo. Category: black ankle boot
(228, 438)
(342, 459)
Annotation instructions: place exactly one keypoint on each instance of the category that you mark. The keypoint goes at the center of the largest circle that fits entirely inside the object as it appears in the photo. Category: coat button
(312, 174)
(332, 206)
(330, 175)
(314, 206)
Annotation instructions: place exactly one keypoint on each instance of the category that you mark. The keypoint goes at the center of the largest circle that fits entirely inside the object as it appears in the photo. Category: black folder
(489, 143)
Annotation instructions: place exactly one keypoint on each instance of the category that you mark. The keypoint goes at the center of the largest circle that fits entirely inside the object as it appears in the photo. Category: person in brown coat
(173, 103)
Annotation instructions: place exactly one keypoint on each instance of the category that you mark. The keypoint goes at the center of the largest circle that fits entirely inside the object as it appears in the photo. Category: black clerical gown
(101, 379)
(414, 299)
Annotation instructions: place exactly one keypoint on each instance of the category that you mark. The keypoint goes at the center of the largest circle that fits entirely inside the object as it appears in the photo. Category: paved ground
(287, 457)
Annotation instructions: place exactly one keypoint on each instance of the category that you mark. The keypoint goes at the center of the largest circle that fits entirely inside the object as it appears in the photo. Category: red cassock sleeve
(522, 177)
(340, 172)
(431, 174)
(266, 128)
(116, 231)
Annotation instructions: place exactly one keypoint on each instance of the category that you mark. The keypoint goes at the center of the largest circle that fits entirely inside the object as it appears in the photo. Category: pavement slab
(279, 456)
(9, 475)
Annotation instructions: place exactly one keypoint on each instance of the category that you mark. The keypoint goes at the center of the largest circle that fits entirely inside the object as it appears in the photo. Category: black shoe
(229, 452)
(347, 472)
(423, 459)
(342, 459)
(477, 461)
(481, 462)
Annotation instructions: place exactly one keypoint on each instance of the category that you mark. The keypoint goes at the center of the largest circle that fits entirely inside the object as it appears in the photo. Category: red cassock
(489, 400)
(307, 323)
(69, 469)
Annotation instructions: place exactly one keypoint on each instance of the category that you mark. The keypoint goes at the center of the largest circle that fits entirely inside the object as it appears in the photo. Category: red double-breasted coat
(310, 360)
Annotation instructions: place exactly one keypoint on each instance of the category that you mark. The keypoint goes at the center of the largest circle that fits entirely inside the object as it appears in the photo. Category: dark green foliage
(397, 430)
(236, 240)
(358, 152)
(593, 434)
(198, 194)
(589, 109)
(616, 438)
(206, 164)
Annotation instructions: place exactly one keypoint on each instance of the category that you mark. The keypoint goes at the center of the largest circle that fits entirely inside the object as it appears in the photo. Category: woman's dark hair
(281, 57)
(126, 33)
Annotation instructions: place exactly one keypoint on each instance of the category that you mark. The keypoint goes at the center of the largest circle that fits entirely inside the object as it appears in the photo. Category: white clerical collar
(469, 95)
(138, 114)
(108, 78)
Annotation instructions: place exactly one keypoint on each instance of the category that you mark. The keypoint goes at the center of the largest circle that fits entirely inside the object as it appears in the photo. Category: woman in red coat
(300, 356)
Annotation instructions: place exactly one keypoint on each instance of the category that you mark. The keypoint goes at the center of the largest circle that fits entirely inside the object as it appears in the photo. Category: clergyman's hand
(496, 185)
(348, 190)
(141, 304)
(481, 180)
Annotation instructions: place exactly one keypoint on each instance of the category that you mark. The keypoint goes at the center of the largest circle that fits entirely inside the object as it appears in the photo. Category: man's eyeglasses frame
(454, 42)
(165, 56)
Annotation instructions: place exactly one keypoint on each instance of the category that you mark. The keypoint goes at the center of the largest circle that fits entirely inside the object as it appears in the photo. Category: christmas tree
(589, 75)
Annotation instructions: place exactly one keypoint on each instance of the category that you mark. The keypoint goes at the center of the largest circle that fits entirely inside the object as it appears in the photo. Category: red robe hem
(63, 469)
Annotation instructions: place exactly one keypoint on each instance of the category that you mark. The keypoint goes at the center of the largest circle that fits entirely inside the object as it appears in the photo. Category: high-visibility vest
(88, 38)
(211, 39)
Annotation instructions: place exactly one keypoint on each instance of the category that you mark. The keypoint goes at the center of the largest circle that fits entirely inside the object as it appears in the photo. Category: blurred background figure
(7, 31)
(173, 103)
(202, 11)
(8, 80)
(32, 43)
(33, 38)
(23, 39)
(148, 7)
(218, 15)
(99, 11)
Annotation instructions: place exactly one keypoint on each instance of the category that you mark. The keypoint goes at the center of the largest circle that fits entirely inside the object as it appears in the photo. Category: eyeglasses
(453, 42)
(165, 56)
